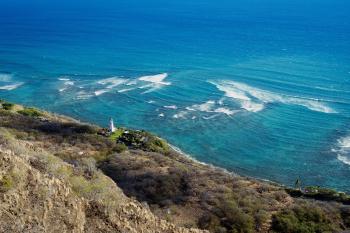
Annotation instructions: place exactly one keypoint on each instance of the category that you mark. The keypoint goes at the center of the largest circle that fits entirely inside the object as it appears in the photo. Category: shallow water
(261, 91)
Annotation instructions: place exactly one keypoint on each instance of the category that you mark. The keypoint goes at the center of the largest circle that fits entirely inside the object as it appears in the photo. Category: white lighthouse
(111, 125)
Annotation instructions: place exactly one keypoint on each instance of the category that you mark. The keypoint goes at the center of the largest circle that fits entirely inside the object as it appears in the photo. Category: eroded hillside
(58, 175)
(39, 192)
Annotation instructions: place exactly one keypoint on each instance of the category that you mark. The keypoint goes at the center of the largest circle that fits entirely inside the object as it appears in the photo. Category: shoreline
(176, 149)
(196, 161)
(224, 170)
(171, 184)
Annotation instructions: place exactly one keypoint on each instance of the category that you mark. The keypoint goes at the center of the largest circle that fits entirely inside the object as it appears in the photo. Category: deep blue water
(260, 87)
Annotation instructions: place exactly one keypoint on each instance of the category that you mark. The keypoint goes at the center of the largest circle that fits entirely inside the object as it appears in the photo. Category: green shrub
(115, 135)
(144, 141)
(7, 106)
(32, 112)
(302, 219)
(235, 219)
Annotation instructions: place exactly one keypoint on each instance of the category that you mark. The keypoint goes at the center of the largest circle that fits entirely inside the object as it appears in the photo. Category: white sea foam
(252, 106)
(181, 114)
(210, 117)
(171, 106)
(159, 79)
(344, 159)
(125, 90)
(253, 99)
(83, 95)
(66, 84)
(7, 83)
(100, 92)
(156, 82)
(5, 77)
(161, 115)
(112, 82)
(210, 106)
(205, 107)
(63, 79)
(154, 88)
(11, 87)
(226, 111)
(342, 150)
(221, 101)
(69, 83)
(132, 82)
(145, 86)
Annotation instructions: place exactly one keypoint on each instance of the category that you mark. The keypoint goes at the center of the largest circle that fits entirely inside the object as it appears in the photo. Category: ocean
(258, 87)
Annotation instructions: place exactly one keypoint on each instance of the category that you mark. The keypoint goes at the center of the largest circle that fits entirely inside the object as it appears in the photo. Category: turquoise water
(261, 88)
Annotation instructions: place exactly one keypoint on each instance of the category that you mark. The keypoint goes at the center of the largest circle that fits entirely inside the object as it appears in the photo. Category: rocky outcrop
(34, 200)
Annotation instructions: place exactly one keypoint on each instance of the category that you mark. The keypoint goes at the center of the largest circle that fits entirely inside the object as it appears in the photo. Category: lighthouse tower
(111, 125)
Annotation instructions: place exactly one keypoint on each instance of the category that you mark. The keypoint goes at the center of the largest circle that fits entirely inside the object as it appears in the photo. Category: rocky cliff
(59, 175)
(41, 193)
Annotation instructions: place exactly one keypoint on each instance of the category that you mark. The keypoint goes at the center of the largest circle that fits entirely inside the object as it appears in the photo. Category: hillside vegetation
(133, 174)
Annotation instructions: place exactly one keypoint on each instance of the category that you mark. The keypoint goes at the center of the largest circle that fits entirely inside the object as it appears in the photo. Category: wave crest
(254, 99)
(343, 150)
(6, 80)
(11, 87)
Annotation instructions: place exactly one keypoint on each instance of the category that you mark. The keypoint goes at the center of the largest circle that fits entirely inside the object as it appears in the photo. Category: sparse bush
(88, 166)
(261, 217)
(31, 112)
(211, 222)
(97, 188)
(7, 106)
(235, 220)
(120, 147)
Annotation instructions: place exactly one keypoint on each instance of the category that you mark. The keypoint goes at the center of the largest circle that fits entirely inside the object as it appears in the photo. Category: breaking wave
(112, 82)
(342, 150)
(11, 87)
(100, 92)
(63, 79)
(158, 79)
(254, 100)
(211, 106)
(121, 85)
(155, 82)
(6, 82)
(170, 106)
